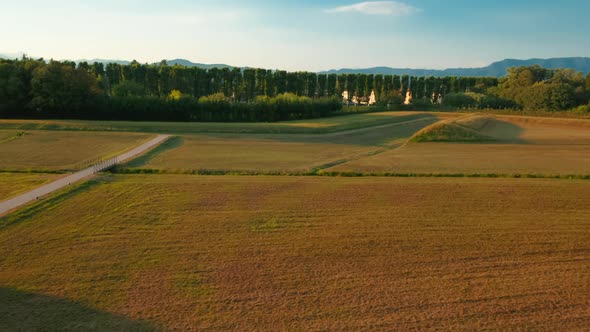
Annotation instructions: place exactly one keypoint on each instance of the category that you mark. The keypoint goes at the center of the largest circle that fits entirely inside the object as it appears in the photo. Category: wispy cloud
(391, 8)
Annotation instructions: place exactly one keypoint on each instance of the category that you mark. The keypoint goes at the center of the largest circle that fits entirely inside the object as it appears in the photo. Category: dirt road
(33, 195)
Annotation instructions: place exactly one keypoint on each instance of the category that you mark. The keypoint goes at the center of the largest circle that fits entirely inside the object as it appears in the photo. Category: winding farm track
(13, 203)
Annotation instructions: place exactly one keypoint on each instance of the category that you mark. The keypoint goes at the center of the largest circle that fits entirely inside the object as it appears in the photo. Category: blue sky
(299, 34)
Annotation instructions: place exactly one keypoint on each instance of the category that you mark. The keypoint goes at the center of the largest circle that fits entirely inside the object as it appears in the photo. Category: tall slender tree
(332, 88)
(249, 83)
(312, 84)
(322, 85)
(280, 81)
(378, 86)
(341, 85)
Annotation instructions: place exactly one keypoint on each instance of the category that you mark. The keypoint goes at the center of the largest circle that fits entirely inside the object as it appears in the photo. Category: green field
(324, 125)
(260, 253)
(53, 150)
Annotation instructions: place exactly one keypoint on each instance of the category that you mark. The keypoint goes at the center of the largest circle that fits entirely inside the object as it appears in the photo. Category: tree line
(531, 88)
(62, 89)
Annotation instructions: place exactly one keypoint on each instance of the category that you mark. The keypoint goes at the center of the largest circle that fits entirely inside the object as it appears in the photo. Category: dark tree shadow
(23, 311)
(170, 144)
(400, 127)
(504, 132)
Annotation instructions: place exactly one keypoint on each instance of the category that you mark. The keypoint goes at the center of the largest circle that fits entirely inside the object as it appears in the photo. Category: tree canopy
(36, 88)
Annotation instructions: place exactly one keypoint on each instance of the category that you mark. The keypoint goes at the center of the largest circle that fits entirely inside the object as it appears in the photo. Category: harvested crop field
(60, 150)
(546, 131)
(514, 146)
(275, 153)
(246, 154)
(13, 184)
(308, 253)
(456, 158)
(318, 126)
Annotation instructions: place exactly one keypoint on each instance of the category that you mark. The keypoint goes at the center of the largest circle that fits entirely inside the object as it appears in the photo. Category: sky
(294, 35)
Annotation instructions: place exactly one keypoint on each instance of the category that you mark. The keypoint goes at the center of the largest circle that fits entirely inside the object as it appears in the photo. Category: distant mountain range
(187, 63)
(105, 61)
(181, 62)
(496, 69)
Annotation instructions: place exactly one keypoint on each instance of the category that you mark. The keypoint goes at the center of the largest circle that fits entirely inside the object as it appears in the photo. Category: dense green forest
(38, 89)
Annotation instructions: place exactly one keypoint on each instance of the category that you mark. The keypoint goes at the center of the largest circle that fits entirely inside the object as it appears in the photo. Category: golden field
(303, 253)
(454, 158)
(183, 252)
(517, 145)
(276, 153)
(62, 150)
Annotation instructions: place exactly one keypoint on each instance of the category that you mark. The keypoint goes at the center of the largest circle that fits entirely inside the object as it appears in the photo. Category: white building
(372, 98)
(345, 96)
(409, 98)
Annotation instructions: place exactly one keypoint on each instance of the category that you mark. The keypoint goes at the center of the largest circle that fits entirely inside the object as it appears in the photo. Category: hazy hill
(182, 62)
(119, 62)
(11, 56)
(496, 69)
(187, 63)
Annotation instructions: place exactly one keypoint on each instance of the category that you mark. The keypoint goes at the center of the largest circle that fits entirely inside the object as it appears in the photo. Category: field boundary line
(13, 138)
(384, 148)
(357, 156)
(381, 126)
(321, 173)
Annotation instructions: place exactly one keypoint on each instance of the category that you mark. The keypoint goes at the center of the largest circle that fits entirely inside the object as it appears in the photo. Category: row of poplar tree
(246, 84)
(41, 89)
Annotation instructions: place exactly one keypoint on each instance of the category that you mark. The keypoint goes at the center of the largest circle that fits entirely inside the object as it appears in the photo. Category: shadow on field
(379, 135)
(170, 144)
(376, 135)
(29, 211)
(504, 132)
(22, 311)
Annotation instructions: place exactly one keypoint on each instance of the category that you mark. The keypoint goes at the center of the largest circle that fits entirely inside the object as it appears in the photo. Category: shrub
(128, 89)
(459, 100)
(175, 95)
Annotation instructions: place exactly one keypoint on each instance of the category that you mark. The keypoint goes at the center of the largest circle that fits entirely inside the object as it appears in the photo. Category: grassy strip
(123, 170)
(52, 202)
(449, 131)
(34, 171)
(330, 165)
(458, 175)
(12, 138)
(326, 125)
(320, 168)
(120, 170)
(540, 114)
